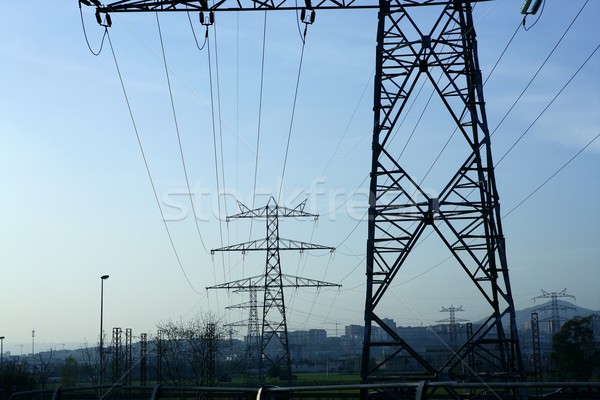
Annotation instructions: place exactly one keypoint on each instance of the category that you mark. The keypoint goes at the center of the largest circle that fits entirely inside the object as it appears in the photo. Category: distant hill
(524, 316)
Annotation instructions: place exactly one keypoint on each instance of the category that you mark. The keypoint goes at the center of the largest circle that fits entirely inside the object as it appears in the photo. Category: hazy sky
(78, 203)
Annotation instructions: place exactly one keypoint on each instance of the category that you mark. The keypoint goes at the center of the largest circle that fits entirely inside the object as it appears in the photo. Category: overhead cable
(148, 168)
(181, 153)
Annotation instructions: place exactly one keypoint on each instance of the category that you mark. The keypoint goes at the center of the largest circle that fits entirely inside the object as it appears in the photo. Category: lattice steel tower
(274, 348)
(252, 324)
(452, 320)
(464, 214)
(554, 321)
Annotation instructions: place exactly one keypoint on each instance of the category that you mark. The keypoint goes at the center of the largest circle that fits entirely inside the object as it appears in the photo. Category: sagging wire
(307, 19)
(208, 21)
(99, 20)
(528, 9)
(194, 32)
(177, 131)
(144, 158)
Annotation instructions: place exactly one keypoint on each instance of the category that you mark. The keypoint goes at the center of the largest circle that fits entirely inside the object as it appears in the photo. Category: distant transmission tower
(452, 320)
(554, 321)
(537, 354)
(274, 348)
(143, 358)
(253, 325)
(128, 355)
(116, 342)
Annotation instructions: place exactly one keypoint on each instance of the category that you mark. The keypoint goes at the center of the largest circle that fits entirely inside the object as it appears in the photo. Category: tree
(43, 366)
(69, 372)
(575, 353)
(187, 350)
(15, 377)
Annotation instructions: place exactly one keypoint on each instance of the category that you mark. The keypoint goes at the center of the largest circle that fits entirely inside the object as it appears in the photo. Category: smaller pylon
(143, 358)
(554, 321)
(275, 351)
(128, 354)
(256, 283)
(253, 325)
(116, 342)
(452, 320)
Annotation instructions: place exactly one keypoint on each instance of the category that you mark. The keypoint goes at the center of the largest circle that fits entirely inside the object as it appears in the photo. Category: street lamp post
(1, 352)
(101, 372)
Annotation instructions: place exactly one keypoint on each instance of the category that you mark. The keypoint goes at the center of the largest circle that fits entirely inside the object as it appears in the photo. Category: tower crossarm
(242, 306)
(267, 211)
(297, 282)
(237, 324)
(253, 282)
(248, 5)
(283, 244)
(257, 283)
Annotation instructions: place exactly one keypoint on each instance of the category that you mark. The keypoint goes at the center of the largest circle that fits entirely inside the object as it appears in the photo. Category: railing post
(421, 390)
(155, 393)
(56, 393)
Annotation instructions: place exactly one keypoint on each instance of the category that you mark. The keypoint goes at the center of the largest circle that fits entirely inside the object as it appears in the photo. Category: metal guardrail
(393, 391)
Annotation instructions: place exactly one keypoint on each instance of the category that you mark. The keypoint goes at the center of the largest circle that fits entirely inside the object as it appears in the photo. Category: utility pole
(537, 354)
(116, 342)
(555, 320)
(143, 358)
(128, 355)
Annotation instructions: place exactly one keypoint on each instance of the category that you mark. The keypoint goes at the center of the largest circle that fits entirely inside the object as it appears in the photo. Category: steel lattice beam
(465, 215)
(252, 5)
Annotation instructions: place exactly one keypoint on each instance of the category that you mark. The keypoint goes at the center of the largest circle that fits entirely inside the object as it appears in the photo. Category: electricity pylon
(452, 320)
(554, 321)
(253, 326)
(274, 347)
(464, 215)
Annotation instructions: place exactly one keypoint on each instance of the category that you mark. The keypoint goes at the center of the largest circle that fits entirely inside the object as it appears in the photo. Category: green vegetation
(575, 353)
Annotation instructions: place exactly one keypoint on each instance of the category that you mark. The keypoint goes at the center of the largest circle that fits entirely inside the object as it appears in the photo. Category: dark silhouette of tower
(116, 356)
(554, 321)
(143, 358)
(452, 329)
(274, 346)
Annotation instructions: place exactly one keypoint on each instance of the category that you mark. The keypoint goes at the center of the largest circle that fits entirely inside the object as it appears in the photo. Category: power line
(87, 41)
(148, 168)
(552, 176)
(216, 158)
(548, 105)
(181, 153)
(539, 69)
(260, 100)
(287, 147)
(194, 34)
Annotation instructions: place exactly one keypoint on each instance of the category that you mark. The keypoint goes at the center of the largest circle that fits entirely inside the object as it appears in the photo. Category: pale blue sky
(77, 202)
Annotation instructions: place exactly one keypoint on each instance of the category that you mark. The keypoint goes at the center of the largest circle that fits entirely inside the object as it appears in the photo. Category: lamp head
(104, 277)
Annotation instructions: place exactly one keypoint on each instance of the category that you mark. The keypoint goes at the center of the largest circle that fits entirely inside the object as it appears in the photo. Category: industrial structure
(274, 346)
(554, 320)
(440, 52)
